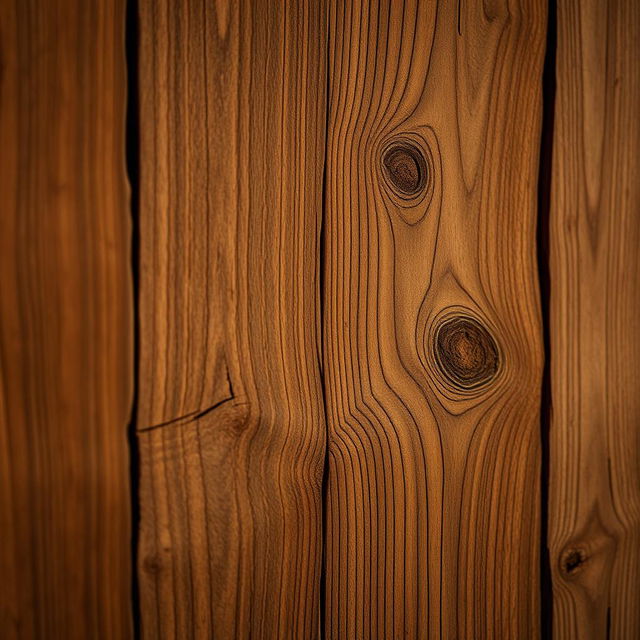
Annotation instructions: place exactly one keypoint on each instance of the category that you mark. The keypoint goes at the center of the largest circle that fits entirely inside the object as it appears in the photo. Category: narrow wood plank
(232, 432)
(432, 337)
(65, 322)
(594, 512)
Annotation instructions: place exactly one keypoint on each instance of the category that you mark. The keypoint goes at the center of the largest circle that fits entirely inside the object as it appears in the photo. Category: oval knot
(466, 352)
(405, 169)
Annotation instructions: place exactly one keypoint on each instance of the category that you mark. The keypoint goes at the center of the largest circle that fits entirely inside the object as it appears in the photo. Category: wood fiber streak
(594, 229)
(65, 322)
(231, 420)
(433, 496)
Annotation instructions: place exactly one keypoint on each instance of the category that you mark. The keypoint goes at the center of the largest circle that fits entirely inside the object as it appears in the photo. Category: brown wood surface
(433, 344)
(340, 333)
(594, 509)
(65, 322)
(230, 418)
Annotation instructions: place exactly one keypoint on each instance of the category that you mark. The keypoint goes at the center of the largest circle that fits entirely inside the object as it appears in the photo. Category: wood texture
(65, 322)
(231, 419)
(594, 513)
(432, 333)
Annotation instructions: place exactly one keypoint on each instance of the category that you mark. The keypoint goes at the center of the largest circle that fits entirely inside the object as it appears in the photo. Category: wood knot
(405, 169)
(466, 353)
(152, 564)
(572, 561)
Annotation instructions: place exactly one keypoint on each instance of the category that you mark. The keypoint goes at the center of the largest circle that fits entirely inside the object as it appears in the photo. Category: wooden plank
(594, 230)
(231, 419)
(65, 322)
(433, 346)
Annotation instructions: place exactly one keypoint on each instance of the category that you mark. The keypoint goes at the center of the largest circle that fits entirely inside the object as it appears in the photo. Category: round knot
(405, 169)
(572, 562)
(466, 353)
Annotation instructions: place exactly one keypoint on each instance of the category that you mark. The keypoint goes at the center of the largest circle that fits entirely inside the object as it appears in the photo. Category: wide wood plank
(594, 232)
(65, 322)
(230, 417)
(433, 348)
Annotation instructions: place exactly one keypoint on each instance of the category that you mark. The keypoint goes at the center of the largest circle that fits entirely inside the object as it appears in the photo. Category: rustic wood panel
(231, 419)
(594, 230)
(433, 344)
(65, 322)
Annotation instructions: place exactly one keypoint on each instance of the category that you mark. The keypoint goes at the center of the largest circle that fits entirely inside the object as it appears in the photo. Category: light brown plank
(65, 322)
(594, 512)
(433, 345)
(232, 432)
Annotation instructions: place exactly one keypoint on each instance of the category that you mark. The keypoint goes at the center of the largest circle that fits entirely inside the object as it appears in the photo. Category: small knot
(405, 169)
(466, 353)
(152, 564)
(572, 561)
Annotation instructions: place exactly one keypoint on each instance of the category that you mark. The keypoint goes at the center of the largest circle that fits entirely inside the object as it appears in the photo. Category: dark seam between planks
(321, 262)
(542, 237)
(132, 164)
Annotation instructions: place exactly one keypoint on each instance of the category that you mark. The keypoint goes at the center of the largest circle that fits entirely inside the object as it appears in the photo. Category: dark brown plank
(594, 511)
(65, 322)
(433, 337)
(231, 422)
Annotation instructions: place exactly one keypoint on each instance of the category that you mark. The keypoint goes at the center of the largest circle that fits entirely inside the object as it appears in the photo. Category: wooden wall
(386, 326)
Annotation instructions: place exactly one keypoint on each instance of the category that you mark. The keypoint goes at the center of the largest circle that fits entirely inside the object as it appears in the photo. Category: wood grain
(433, 346)
(65, 322)
(594, 229)
(231, 418)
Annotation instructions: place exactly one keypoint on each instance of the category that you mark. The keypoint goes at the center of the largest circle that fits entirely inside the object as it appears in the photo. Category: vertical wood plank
(65, 322)
(231, 419)
(432, 339)
(594, 511)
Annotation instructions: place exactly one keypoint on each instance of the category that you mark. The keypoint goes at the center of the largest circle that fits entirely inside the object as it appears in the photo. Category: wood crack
(191, 416)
